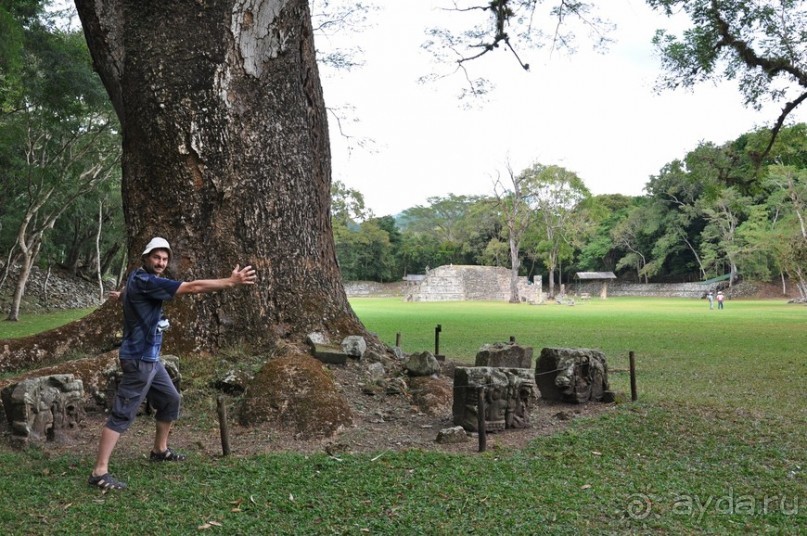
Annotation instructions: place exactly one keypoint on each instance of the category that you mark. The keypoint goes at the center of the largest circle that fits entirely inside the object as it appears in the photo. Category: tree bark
(515, 264)
(108, 257)
(29, 244)
(98, 252)
(22, 281)
(551, 274)
(225, 154)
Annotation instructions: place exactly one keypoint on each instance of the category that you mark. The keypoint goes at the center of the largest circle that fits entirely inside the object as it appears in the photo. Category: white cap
(157, 243)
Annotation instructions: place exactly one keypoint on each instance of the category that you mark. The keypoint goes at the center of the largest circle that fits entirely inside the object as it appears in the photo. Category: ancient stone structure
(55, 289)
(504, 354)
(44, 408)
(508, 392)
(373, 289)
(650, 290)
(573, 375)
(466, 283)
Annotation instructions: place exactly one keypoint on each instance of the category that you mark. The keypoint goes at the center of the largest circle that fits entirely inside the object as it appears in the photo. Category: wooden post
(480, 418)
(398, 339)
(223, 426)
(633, 395)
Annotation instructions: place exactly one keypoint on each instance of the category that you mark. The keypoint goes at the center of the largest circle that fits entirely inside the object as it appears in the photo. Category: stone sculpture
(573, 375)
(509, 393)
(43, 409)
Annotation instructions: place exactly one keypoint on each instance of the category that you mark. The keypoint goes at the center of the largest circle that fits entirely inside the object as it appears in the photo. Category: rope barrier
(475, 385)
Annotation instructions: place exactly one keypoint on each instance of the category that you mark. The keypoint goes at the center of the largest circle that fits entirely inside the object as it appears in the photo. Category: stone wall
(446, 287)
(658, 290)
(57, 290)
(743, 289)
(373, 289)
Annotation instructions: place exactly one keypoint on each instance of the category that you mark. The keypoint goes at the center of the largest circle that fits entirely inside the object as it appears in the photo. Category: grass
(29, 324)
(715, 443)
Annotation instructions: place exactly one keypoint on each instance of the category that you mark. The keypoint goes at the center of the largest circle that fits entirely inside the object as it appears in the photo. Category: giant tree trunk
(225, 154)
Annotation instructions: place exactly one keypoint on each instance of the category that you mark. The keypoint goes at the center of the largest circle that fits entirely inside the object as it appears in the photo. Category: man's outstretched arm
(240, 276)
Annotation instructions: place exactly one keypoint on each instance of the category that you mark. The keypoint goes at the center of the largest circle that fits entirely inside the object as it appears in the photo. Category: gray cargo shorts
(143, 380)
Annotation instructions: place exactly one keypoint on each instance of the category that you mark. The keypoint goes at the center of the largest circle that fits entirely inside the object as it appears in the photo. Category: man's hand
(114, 294)
(244, 276)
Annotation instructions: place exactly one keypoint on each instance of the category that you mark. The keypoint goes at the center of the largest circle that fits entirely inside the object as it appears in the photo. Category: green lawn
(715, 444)
(682, 348)
(29, 324)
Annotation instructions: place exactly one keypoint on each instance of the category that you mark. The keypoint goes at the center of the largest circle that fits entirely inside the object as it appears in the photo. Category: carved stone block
(573, 375)
(509, 392)
(508, 355)
(43, 409)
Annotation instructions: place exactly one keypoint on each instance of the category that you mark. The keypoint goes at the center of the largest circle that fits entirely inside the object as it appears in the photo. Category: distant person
(720, 299)
(144, 376)
(711, 298)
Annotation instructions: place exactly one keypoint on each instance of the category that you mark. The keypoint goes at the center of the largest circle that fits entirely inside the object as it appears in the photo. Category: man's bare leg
(109, 438)
(161, 436)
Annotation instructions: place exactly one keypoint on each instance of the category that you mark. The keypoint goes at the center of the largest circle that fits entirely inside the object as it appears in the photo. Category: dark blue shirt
(142, 309)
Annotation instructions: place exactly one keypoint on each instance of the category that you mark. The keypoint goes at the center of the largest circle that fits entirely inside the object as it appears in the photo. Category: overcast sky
(594, 114)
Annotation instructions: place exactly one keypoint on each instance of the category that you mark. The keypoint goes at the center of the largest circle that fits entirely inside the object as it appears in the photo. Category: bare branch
(789, 107)
(362, 142)
(512, 25)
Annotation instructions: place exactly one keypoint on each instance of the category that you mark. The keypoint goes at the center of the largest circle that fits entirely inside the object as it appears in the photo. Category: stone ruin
(472, 283)
(509, 393)
(573, 375)
(43, 409)
(502, 354)
(504, 373)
